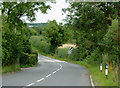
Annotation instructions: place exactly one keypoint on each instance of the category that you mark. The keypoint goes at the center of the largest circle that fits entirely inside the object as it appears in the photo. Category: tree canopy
(16, 34)
(14, 11)
(91, 22)
(56, 34)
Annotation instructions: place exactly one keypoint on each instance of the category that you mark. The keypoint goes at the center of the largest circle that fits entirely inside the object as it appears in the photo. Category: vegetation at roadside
(56, 35)
(40, 43)
(50, 37)
(11, 68)
(96, 32)
(16, 48)
(91, 25)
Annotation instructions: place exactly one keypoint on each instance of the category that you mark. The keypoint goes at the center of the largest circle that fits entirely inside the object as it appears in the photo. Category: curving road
(49, 72)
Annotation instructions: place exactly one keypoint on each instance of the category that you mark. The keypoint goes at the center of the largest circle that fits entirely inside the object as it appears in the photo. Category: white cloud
(54, 14)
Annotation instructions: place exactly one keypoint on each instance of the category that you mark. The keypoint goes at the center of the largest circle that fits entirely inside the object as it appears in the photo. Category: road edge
(92, 82)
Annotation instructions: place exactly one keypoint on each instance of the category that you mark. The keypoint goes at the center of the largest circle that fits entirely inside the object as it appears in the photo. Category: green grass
(28, 65)
(10, 69)
(14, 68)
(99, 78)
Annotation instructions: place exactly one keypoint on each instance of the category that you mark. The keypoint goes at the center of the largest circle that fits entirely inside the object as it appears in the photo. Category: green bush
(95, 57)
(32, 59)
(62, 52)
(28, 59)
(111, 43)
(11, 48)
(40, 43)
(74, 56)
(26, 46)
(35, 52)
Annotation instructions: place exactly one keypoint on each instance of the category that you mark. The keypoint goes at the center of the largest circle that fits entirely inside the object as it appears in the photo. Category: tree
(90, 22)
(14, 11)
(38, 29)
(56, 35)
(15, 38)
(11, 45)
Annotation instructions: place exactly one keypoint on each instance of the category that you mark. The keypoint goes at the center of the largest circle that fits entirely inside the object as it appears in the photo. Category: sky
(54, 14)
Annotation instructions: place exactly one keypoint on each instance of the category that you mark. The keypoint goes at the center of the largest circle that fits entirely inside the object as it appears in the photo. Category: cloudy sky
(54, 14)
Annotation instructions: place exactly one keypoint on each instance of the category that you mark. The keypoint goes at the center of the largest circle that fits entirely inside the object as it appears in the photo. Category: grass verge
(26, 66)
(10, 69)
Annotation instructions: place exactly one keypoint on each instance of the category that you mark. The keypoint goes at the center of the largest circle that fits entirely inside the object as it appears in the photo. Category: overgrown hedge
(16, 49)
(29, 59)
(11, 48)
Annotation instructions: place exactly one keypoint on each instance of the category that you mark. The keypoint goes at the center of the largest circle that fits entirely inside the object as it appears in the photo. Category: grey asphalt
(62, 74)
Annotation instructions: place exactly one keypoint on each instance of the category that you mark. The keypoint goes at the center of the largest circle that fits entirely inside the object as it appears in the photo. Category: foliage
(95, 57)
(39, 30)
(15, 34)
(110, 41)
(28, 32)
(11, 46)
(26, 46)
(91, 22)
(15, 11)
(56, 34)
(28, 59)
(62, 52)
(40, 43)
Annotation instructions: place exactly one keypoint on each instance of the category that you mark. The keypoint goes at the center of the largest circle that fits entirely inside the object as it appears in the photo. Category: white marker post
(101, 67)
(106, 71)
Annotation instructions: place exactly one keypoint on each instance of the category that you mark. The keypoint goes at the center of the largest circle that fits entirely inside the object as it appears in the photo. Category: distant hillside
(36, 24)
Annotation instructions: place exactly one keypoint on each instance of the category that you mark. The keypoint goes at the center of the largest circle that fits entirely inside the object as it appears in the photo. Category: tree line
(95, 26)
(50, 37)
(16, 48)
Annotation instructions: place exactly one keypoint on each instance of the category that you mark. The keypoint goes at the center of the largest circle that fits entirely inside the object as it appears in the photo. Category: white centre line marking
(54, 72)
(58, 69)
(40, 79)
(48, 75)
(30, 84)
(61, 67)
